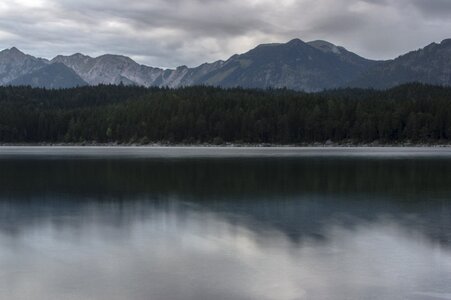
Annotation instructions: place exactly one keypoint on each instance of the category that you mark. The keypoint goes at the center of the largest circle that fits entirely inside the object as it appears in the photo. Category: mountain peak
(296, 42)
(13, 52)
(79, 55)
(14, 63)
(116, 57)
(325, 46)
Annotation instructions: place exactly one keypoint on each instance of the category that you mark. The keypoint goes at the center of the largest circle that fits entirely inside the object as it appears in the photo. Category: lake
(224, 223)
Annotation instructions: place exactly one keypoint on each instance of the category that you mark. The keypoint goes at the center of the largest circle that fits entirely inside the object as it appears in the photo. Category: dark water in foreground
(245, 224)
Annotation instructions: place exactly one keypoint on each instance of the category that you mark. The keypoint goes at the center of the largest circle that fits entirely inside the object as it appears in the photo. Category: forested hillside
(124, 114)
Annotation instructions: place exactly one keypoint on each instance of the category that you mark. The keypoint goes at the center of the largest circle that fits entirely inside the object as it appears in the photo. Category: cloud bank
(169, 33)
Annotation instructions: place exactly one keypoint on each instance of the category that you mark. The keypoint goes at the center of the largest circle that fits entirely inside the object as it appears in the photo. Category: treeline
(119, 114)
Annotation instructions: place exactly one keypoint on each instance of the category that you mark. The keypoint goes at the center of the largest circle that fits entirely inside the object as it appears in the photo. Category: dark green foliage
(410, 113)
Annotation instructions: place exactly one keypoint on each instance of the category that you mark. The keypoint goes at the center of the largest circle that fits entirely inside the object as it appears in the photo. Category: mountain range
(298, 65)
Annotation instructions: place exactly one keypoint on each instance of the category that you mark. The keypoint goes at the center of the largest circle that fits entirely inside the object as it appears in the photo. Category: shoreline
(231, 145)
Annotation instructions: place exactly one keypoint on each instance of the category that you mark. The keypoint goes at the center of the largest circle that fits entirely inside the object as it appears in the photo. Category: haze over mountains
(311, 66)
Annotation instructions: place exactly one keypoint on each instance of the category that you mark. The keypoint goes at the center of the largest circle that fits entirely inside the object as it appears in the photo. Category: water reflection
(225, 228)
(142, 251)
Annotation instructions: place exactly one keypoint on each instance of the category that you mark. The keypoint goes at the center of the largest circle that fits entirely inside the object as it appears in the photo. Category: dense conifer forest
(412, 113)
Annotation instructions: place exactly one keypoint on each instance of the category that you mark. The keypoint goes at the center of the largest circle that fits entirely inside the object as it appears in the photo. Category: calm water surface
(245, 224)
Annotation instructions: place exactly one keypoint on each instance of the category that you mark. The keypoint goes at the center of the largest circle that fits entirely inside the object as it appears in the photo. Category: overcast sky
(169, 33)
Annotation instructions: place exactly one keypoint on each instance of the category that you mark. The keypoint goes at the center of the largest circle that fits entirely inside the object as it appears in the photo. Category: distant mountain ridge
(311, 66)
(430, 65)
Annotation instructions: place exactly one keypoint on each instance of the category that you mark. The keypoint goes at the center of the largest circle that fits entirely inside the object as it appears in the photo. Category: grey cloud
(340, 24)
(434, 8)
(169, 33)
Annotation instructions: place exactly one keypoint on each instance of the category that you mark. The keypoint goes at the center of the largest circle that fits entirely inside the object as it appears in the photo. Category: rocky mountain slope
(53, 76)
(14, 63)
(311, 66)
(295, 65)
(109, 69)
(431, 65)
